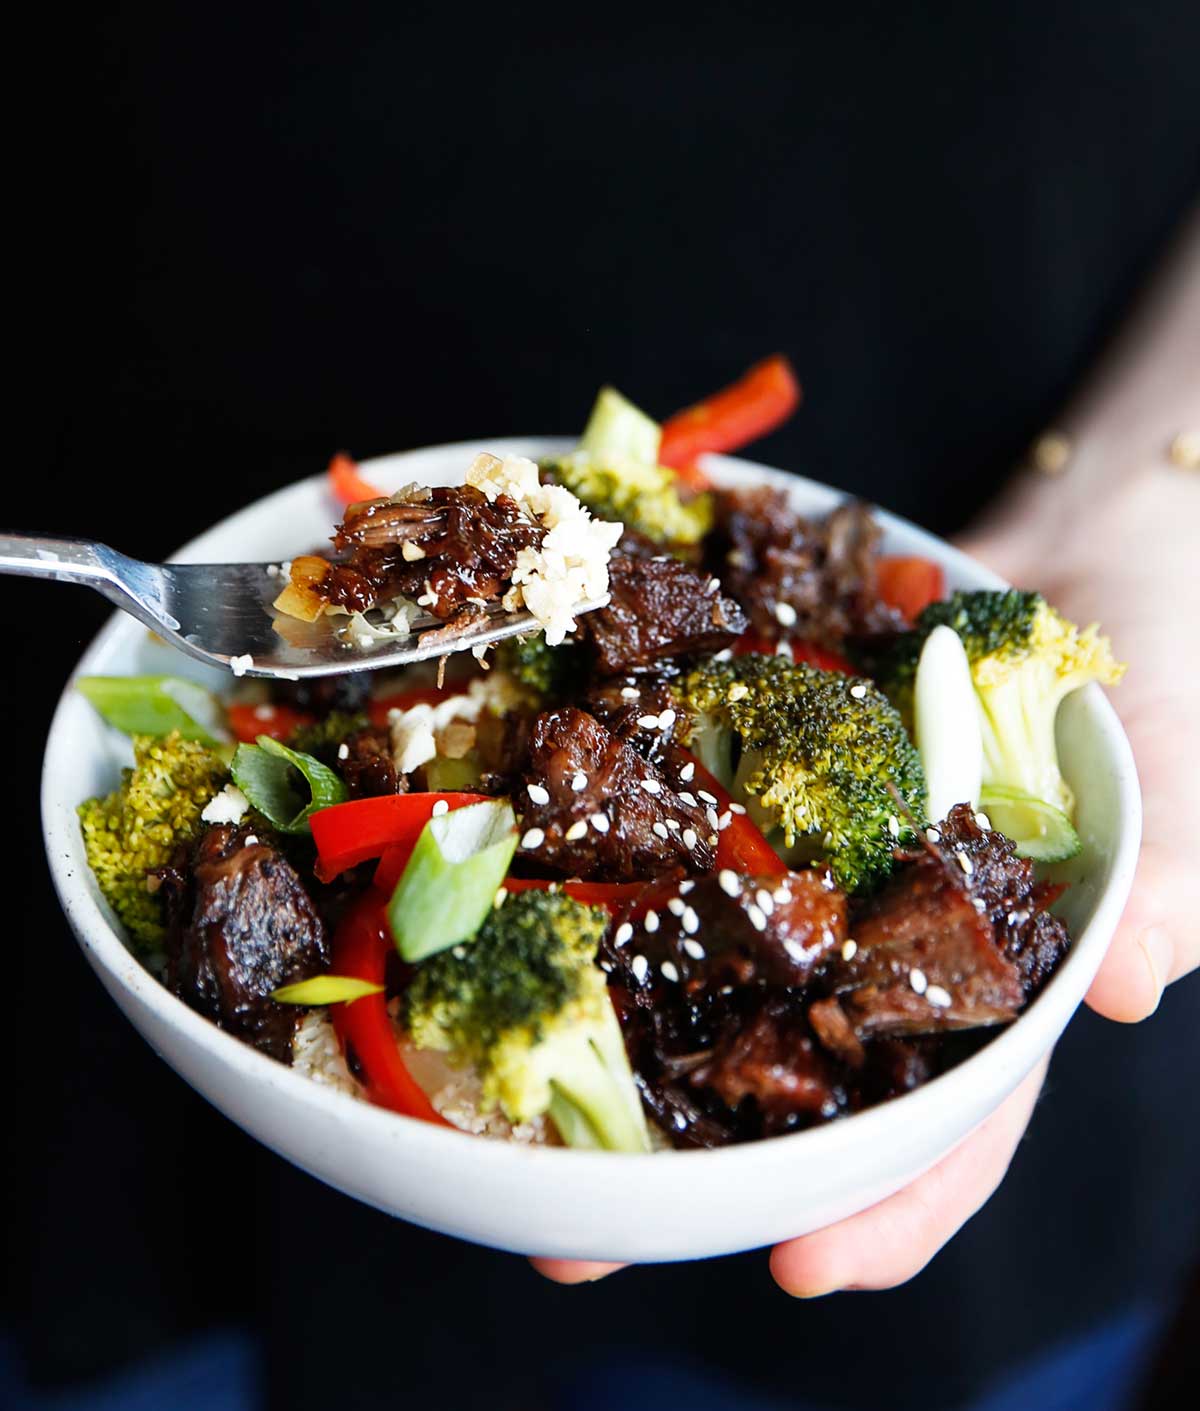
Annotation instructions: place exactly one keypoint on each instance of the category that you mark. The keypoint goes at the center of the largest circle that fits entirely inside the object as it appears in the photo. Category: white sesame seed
(651, 921)
(651, 786)
(666, 720)
(983, 821)
(711, 814)
(576, 831)
(599, 822)
(783, 648)
(728, 882)
(343, 751)
(765, 901)
(688, 771)
(858, 692)
(893, 825)
(579, 782)
(737, 692)
(686, 887)
(640, 966)
(706, 796)
(675, 906)
(724, 821)
(737, 808)
(757, 919)
(689, 799)
(964, 862)
(680, 1121)
(711, 587)
(933, 835)
(630, 693)
(538, 794)
(660, 831)
(849, 950)
(250, 840)
(916, 978)
(673, 824)
(691, 921)
(794, 949)
(647, 722)
(624, 934)
(936, 995)
(606, 967)
(694, 949)
(669, 971)
(689, 838)
(534, 838)
(440, 807)
(785, 614)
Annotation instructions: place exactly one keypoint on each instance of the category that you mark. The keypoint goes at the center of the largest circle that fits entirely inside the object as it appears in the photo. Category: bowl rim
(1018, 1047)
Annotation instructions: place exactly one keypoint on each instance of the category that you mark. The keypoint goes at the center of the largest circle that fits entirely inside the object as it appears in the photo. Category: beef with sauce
(241, 924)
(367, 766)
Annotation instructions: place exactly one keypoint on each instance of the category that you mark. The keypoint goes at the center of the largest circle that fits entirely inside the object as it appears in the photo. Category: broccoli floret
(644, 497)
(137, 827)
(322, 738)
(811, 753)
(525, 1004)
(1025, 657)
(553, 673)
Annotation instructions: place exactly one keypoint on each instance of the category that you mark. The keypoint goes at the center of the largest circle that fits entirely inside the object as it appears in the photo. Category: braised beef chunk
(597, 810)
(659, 608)
(368, 769)
(241, 925)
(817, 576)
(639, 711)
(460, 546)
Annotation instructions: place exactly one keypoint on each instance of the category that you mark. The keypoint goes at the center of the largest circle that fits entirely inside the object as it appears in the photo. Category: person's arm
(1114, 536)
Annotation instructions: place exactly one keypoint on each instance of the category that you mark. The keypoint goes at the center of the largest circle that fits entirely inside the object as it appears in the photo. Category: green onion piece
(617, 429)
(1041, 832)
(452, 877)
(286, 786)
(326, 989)
(156, 705)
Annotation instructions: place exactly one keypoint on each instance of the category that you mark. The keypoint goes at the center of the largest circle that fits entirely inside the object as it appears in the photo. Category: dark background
(252, 239)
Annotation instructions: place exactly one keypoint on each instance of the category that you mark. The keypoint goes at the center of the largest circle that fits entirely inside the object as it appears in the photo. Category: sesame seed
(706, 796)
(711, 587)
(343, 751)
(983, 821)
(688, 771)
(250, 839)
(785, 614)
(933, 835)
(606, 967)
(686, 887)
(647, 722)
(534, 838)
(765, 901)
(936, 995)
(666, 720)
(624, 934)
(639, 965)
(737, 692)
(673, 824)
(689, 799)
(858, 692)
(580, 781)
(783, 648)
(680, 1121)
(794, 949)
(440, 807)
(724, 821)
(849, 950)
(893, 825)
(576, 831)
(689, 838)
(675, 906)
(964, 862)
(737, 808)
(691, 921)
(630, 693)
(757, 919)
(538, 794)
(916, 978)
(599, 822)
(669, 972)
(728, 882)
(651, 786)
(660, 831)
(651, 921)
(711, 814)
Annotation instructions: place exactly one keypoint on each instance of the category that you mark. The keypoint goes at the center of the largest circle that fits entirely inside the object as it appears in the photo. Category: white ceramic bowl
(548, 1201)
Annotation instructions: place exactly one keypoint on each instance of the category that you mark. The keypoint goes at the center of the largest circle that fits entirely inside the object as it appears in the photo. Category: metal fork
(221, 613)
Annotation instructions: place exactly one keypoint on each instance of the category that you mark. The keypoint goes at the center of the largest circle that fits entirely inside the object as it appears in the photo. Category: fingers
(894, 1240)
(574, 1271)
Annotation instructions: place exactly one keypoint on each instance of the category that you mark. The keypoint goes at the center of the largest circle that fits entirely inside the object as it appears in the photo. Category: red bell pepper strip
(248, 722)
(361, 947)
(345, 483)
(378, 710)
(349, 833)
(757, 403)
(741, 846)
(801, 651)
(910, 584)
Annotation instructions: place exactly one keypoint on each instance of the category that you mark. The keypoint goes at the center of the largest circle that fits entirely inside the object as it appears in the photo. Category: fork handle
(51, 556)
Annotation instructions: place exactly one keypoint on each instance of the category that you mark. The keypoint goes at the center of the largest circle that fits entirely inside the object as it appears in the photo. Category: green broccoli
(1025, 657)
(137, 827)
(322, 738)
(525, 1004)
(811, 753)
(554, 673)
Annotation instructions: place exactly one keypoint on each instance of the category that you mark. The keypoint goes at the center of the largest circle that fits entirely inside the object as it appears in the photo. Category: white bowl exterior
(553, 1201)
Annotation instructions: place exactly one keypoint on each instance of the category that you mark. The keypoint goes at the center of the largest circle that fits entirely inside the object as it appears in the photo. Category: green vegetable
(618, 429)
(526, 1005)
(1040, 831)
(157, 705)
(138, 826)
(811, 753)
(285, 785)
(452, 877)
(323, 738)
(1025, 658)
(555, 673)
(326, 989)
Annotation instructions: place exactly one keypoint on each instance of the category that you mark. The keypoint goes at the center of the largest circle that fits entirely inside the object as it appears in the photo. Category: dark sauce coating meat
(368, 769)
(468, 549)
(659, 608)
(626, 705)
(241, 925)
(580, 775)
(777, 563)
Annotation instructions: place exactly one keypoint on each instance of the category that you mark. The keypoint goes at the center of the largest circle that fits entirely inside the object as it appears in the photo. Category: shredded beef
(568, 747)
(241, 925)
(776, 562)
(659, 608)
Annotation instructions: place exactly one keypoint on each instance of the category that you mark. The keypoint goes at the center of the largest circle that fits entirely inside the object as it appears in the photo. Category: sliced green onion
(1041, 832)
(616, 429)
(325, 989)
(452, 877)
(286, 786)
(156, 705)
